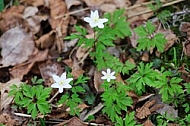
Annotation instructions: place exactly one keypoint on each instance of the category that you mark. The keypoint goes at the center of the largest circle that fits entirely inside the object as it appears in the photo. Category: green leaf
(141, 31)
(150, 27)
(2, 5)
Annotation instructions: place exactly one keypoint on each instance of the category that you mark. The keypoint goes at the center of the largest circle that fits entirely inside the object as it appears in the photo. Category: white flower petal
(112, 73)
(108, 71)
(87, 19)
(95, 14)
(67, 86)
(104, 73)
(56, 78)
(108, 79)
(102, 20)
(68, 80)
(92, 24)
(112, 77)
(103, 77)
(55, 85)
(60, 90)
(63, 76)
(100, 25)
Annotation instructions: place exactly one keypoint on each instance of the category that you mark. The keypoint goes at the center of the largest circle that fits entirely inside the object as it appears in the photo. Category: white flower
(94, 20)
(109, 75)
(61, 82)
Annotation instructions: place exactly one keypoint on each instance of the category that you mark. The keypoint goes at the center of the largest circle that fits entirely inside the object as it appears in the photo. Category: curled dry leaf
(185, 27)
(46, 41)
(98, 81)
(186, 48)
(5, 88)
(17, 45)
(144, 111)
(11, 18)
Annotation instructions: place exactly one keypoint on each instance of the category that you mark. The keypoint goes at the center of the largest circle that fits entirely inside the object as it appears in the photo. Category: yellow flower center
(95, 19)
(61, 83)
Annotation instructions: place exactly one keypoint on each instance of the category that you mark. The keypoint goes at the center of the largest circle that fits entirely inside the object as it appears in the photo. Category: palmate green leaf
(29, 91)
(144, 43)
(25, 101)
(80, 30)
(159, 41)
(63, 99)
(150, 27)
(117, 14)
(187, 86)
(127, 67)
(43, 106)
(130, 119)
(32, 109)
(81, 80)
(141, 31)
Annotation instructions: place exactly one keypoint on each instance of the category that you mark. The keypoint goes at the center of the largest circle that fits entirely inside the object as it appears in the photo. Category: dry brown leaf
(46, 41)
(145, 56)
(74, 121)
(98, 81)
(144, 111)
(122, 3)
(93, 3)
(76, 69)
(17, 45)
(5, 88)
(34, 2)
(185, 27)
(148, 123)
(6, 120)
(59, 21)
(22, 69)
(11, 18)
(186, 48)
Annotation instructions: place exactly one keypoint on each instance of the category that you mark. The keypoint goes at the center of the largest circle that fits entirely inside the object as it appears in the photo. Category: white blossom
(61, 82)
(94, 20)
(108, 75)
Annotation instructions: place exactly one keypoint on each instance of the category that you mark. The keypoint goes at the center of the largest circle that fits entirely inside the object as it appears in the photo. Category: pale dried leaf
(98, 81)
(47, 69)
(168, 110)
(30, 11)
(17, 45)
(5, 88)
(145, 56)
(186, 48)
(71, 3)
(76, 69)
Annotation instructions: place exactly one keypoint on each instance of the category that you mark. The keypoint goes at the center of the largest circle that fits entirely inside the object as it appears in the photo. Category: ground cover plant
(94, 67)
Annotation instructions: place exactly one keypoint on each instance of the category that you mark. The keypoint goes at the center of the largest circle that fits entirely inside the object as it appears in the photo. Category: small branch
(53, 97)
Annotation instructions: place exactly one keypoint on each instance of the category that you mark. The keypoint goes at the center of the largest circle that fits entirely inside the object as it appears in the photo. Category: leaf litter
(32, 41)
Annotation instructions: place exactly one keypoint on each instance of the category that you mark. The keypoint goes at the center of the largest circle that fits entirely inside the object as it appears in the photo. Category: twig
(23, 115)
(53, 97)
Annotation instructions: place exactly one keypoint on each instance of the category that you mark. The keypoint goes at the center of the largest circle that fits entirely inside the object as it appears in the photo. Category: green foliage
(33, 98)
(2, 6)
(163, 15)
(129, 120)
(169, 86)
(37, 81)
(72, 99)
(148, 39)
(115, 99)
(145, 75)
